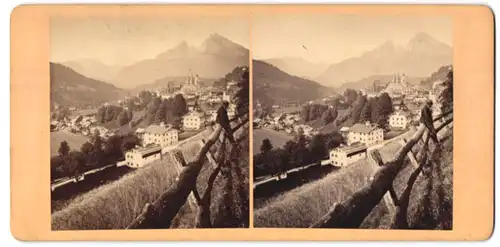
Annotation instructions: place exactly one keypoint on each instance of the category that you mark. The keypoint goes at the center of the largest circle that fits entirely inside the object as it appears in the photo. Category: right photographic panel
(353, 121)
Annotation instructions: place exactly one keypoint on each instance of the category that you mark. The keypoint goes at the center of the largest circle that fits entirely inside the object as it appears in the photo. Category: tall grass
(303, 206)
(115, 205)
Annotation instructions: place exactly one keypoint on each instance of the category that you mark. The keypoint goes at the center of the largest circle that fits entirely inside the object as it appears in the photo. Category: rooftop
(147, 150)
(345, 128)
(363, 128)
(157, 129)
(352, 148)
(194, 113)
(402, 113)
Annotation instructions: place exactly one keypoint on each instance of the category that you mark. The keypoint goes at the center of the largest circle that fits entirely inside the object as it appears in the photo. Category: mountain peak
(218, 44)
(421, 36)
(424, 42)
(183, 49)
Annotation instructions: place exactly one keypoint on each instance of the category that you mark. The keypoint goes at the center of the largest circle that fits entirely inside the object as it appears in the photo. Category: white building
(400, 119)
(139, 157)
(226, 97)
(212, 115)
(194, 120)
(367, 133)
(346, 155)
(160, 135)
(231, 111)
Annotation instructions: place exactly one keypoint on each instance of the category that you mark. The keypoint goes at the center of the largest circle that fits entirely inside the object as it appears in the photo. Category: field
(304, 205)
(74, 141)
(278, 139)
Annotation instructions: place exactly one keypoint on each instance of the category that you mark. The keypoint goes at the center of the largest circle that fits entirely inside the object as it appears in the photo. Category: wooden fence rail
(351, 212)
(160, 213)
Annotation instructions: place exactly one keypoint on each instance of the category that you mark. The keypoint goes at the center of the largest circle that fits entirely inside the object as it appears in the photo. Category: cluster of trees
(376, 110)
(446, 96)
(60, 114)
(110, 113)
(92, 154)
(327, 113)
(242, 95)
(169, 111)
(294, 153)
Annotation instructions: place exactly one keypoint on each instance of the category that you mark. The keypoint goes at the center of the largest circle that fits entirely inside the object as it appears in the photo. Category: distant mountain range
(419, 58)
(273, 86)
(94, 68)
(69, 88)
(298, 66)
(213, 59)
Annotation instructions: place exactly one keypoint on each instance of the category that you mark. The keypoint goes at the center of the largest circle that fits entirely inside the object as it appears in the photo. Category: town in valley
(325, 133)
(127, 135)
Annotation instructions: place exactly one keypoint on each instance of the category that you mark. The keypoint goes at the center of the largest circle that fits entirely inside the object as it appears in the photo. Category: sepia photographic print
(149, 122)
(352, 121)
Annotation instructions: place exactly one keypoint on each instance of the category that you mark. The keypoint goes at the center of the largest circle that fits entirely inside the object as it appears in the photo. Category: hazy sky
(125, 41)
(333, 38)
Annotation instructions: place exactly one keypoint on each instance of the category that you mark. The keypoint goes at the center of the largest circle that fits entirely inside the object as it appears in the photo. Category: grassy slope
(115, 205)
(278, 139)
(302, 207)
(75, 141)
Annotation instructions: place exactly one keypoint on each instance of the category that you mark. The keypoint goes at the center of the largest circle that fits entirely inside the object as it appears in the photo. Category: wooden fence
(351, 212)
(160, 213)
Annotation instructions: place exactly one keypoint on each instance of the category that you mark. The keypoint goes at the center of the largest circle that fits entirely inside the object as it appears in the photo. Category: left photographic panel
(149, 122)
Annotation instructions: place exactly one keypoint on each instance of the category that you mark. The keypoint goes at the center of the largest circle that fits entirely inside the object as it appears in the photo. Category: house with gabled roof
(366, 133)
(162, 135)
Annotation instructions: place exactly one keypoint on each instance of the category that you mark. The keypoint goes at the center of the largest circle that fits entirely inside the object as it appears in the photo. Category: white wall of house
(135, 159)
(398, 121)
(339, 157)
(193, 122)
(168, 138)
(369, 139)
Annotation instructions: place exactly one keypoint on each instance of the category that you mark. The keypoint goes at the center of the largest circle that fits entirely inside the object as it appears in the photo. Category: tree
(289, 148)
(266, 146)
(160, 115)
(446, 97)
(305, 112)
(317, 148)
(129, 142)
(179, 106)
(350, 96)
(87, 148)
(333, 140)
(242, 95)
(366, 112)
(130, 103)
(97, 152)
(383, 110)
(358, 105)
(145, 97)
(114, 147)
(329, 116)
(76, 164)
(177, 123)
(101, 113)
(123, 118)
(63, 149)
(300, 154)
(110, 114)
